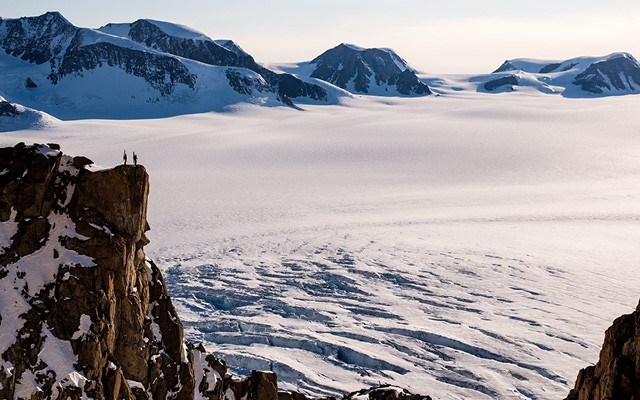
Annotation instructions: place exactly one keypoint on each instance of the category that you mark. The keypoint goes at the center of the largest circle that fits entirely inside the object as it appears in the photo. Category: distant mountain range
(146, 68)
(151, 68)
(615, 74)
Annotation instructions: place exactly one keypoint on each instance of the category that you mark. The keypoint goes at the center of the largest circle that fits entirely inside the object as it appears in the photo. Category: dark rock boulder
(30, 84)
(550, 68)
(36, 39)
(510, 80)
(616, 376)
(7, 109)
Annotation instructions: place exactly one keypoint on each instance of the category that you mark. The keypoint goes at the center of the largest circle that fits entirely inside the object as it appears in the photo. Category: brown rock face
(83, 312)
(616, 376)
(385, 392)
(98, 294)
(260, 385)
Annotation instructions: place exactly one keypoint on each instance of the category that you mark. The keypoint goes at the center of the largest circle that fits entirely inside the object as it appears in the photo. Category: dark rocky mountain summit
(616, 376)
(50, 38)
(616, 74)
(83, 312)
(38, 39)
(369, 71)
(509, 81)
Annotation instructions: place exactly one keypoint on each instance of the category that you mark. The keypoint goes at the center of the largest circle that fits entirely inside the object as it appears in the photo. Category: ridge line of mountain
(149, 69)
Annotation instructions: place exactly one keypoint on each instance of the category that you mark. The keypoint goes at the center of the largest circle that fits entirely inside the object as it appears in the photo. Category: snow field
(473, 247)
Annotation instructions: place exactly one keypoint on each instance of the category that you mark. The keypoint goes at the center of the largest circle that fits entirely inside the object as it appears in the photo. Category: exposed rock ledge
(83, 312)
(616, 376)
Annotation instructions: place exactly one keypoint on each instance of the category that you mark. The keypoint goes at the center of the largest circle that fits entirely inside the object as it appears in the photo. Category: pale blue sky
(453, 36)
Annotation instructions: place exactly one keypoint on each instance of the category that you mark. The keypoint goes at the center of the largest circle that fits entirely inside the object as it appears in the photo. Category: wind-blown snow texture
(466, 247)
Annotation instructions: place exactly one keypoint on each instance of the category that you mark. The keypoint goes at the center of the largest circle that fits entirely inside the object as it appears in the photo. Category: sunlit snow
(472, 246)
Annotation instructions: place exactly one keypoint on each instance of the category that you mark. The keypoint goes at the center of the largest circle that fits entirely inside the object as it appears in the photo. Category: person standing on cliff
(135, 159)
(124, 158)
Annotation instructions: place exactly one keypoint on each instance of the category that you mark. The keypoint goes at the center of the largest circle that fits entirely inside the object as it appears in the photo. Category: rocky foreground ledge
(83, 312)
(616, 376)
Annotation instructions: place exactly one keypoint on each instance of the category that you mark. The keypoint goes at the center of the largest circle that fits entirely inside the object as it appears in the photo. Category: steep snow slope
(15, 117)
(182, 41)
(470, 247)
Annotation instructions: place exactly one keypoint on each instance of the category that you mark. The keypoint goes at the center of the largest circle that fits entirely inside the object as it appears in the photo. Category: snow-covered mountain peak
(176, 30)
(612, 74)
(532, 65)
(54, 17)
(231, 46)
(36, 39)
(399, 62)
(182, 41)
(50, 21)
(377, 71)
(621, 55)
(125, 70)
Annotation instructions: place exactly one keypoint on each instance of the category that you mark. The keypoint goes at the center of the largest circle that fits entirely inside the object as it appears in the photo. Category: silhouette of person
(124, 158)
(135, 158)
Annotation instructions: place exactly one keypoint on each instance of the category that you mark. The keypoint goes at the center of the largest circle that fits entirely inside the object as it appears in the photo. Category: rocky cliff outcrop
(616, 376)
(83, 312)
